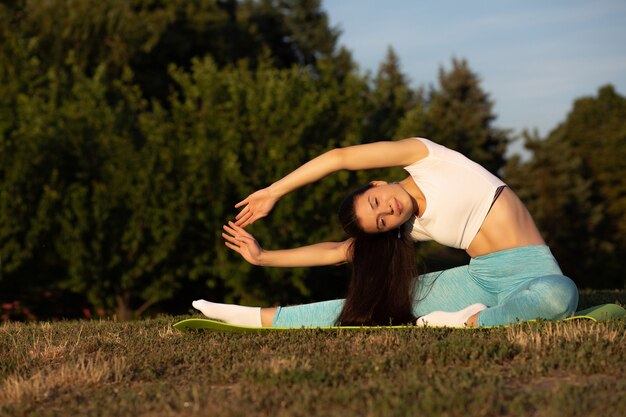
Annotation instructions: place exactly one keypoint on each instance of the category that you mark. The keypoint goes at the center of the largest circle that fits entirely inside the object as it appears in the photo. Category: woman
(512, 276)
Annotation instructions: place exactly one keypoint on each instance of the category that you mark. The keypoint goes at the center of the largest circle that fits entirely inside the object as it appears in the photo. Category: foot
(230, 313)
(450, 319)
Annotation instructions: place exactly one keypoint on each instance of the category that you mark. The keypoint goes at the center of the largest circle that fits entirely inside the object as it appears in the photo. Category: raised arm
(325, 253)
(372, 155)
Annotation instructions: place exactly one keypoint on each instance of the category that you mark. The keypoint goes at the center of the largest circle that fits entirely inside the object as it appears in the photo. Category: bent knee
(559, 295)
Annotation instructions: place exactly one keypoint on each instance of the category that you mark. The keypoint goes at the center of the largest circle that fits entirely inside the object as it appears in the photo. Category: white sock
(450, 319)
(230, 313)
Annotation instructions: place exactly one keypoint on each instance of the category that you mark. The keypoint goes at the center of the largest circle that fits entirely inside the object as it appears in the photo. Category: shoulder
(419, 148)
(416, 148)
(416, 142)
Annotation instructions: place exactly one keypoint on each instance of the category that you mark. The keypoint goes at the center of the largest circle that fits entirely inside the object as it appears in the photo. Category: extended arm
(325, 253)
(319, 254)
(372, 155)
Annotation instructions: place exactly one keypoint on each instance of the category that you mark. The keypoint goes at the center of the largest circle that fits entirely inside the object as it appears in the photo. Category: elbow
(346, 250)
(337, 159)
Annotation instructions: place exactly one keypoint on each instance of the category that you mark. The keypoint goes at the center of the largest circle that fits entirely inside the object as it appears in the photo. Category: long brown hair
(384, 273)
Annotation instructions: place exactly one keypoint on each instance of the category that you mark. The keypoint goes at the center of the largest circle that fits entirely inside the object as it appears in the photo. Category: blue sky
(534, 57)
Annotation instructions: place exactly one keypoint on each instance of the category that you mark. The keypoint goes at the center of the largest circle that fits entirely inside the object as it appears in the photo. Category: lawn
(141, 368)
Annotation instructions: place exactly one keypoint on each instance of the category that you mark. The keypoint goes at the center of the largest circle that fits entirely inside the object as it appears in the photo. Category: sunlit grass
(100, 368)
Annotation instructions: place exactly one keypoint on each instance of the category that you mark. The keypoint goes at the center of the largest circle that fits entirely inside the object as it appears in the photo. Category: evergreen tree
(460, 116)
(391, 99)
(574, 185)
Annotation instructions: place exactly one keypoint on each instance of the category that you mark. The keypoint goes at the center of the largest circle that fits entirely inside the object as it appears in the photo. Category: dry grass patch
(76, 374)
(277, 365)
(168, 332)
(45, 348)
(550, 334)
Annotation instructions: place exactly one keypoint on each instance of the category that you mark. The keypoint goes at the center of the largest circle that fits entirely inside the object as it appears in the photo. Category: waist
(508, 225)
(521, 261)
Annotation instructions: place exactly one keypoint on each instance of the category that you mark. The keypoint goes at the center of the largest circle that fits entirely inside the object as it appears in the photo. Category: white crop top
(458, 192)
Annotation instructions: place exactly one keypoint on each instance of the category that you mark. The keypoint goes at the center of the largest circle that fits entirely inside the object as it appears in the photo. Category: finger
(247, 222)
(236, 231)
(231, 239)
(243, 212)
(239, 229)
(244, 240)
(241, 203)
(233, 247)
(229, 229)
(244, 219)
(253, 219)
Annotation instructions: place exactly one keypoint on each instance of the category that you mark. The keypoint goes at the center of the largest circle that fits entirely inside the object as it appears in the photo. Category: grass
(147, 368)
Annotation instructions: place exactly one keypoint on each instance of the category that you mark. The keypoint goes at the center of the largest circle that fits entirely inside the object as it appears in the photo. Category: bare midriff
(508, 225)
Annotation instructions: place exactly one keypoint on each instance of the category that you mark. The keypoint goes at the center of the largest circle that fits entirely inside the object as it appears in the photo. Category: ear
(378, 183)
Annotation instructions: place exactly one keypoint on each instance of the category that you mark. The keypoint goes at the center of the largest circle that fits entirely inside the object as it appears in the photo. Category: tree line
(129, 129)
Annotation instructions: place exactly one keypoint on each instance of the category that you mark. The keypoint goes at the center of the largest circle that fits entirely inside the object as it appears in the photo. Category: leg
(450, 290)
(267, 316)
(550, 297)
(453, 297)
(473, 320)
(322, 314)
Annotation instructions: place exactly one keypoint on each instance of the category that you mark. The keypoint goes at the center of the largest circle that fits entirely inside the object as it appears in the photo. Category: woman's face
(383, 207)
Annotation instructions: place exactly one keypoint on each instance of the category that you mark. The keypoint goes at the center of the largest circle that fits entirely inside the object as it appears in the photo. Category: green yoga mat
(598, 313)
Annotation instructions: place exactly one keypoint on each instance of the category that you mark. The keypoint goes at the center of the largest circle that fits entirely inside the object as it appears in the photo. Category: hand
(257, 205)
(243, 243)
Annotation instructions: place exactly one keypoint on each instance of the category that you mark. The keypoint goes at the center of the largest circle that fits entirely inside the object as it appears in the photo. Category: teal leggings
(515, 284)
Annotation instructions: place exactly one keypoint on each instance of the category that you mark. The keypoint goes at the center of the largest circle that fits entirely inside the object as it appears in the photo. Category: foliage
(149, 35)
(575, 188)
(129, 129)
(120, 195)
(391, 96)
(119, 167)
(250, 128)
(103, 199)
(459, 115)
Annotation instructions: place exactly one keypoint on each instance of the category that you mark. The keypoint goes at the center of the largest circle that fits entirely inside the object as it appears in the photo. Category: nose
(386, 208)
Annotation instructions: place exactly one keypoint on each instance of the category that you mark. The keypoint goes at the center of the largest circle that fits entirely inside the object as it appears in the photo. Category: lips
(399, 207)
